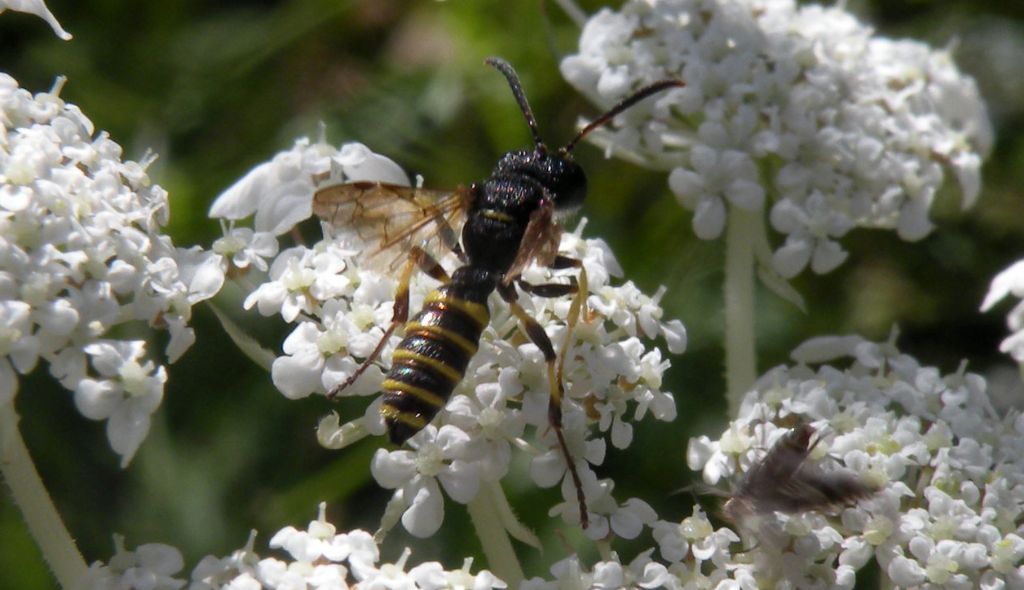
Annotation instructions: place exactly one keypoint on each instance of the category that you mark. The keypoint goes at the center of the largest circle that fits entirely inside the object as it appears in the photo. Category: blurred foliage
(217, 87)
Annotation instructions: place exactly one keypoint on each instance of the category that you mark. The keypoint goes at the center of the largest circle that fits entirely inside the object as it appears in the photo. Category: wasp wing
(390, 218)
(540, 241)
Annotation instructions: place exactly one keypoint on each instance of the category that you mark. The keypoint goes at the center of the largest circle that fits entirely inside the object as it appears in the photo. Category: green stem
(740, 364)
(30, 496)
(497, 546)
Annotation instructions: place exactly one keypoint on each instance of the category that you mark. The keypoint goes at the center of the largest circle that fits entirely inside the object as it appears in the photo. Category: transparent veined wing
(390, 219)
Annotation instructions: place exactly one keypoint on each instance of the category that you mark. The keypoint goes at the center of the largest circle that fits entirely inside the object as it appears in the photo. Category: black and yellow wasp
(508, 221)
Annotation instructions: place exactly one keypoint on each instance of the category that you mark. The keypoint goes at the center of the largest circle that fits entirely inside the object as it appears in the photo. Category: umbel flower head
(797, 113)
(340, 305)
(949, 472)
(318, 557)
(82, 252)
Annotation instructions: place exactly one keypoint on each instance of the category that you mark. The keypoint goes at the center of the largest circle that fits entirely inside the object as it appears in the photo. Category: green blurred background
(218, 87)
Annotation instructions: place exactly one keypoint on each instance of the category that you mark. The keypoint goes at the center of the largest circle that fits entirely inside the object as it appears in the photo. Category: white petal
(241, 199)
(126, 429)
(38, 8)
(686, 185)
(622, 434)
(826, 348)
(202, 271)
(284, 206)
(461, 480)
(298, 375)
(913, 222)
(675, 336)
(547, 469)
(905, 572)
(827, 256)
(359, 163)
(182, 337)
(792, 257)
(1009, 280)
(628, 522)
(393, 469)
(709, 218)
(787, 217)
(746, 194)
(426, 511)
(97, 400)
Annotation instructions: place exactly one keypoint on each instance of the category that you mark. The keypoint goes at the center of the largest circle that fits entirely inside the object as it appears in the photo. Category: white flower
(149, 567)
(319, 557)
(279, 192)
(439, 455)
(81, 252)
(244, 248)
(797, 112)
(126, 396)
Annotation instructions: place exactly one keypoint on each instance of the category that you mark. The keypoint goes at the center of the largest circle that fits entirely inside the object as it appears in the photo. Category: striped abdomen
(431, 360)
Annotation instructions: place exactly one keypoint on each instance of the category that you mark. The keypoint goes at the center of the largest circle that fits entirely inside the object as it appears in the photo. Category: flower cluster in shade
(341, 303)
(318, 557)
(81, 253)
(798, 114)
(1010, 282)
(949, 470)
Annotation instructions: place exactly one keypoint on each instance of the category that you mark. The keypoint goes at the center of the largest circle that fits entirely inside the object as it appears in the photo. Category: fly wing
(388, 219)
(779, 465)
(785, 481)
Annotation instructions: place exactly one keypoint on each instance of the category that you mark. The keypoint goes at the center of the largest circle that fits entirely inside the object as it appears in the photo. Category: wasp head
(558, 173)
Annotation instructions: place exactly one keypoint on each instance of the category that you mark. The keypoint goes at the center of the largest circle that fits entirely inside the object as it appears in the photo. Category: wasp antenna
(621, 106)
(517, 90)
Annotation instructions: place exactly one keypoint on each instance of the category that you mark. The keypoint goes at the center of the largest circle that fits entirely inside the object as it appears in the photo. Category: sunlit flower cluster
(82, 252)
(797, 113)
(949, 470)
(318, 557)
(341, 306)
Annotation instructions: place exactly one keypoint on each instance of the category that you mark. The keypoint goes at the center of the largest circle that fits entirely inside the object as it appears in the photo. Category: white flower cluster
(81, 253)
(316, 558)
(950, 472)
(797, 109)
(1010, 282)
(341, 308)
(697, 556)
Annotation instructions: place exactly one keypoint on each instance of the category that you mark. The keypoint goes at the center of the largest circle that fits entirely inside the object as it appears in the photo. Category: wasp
(785, 480)
(508, 221)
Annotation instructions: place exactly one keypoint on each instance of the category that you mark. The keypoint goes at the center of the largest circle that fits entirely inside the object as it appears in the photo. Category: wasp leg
(536, 333)
(418, 258)
(578, 288)
(578, 307)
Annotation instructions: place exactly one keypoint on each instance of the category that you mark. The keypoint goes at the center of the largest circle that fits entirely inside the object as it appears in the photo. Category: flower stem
(29, 494)
(740, 365)
(497, 546)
